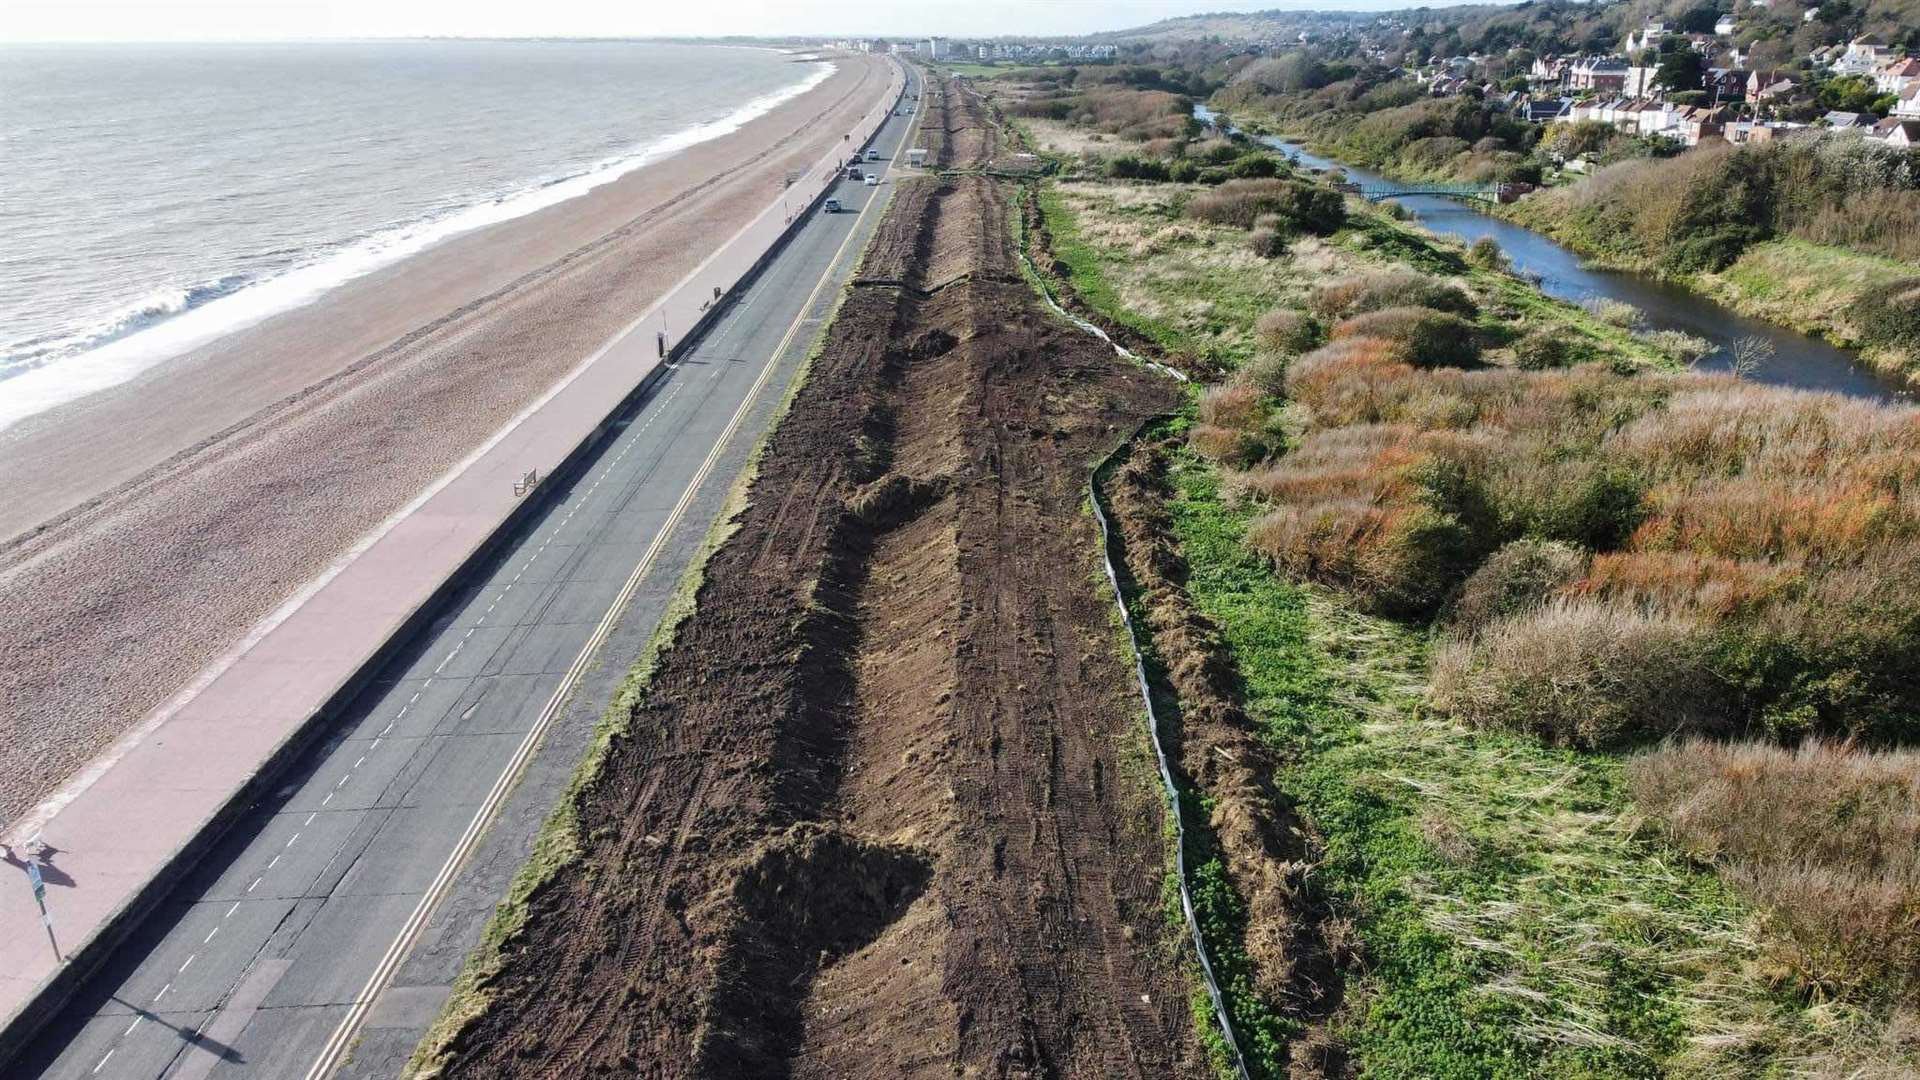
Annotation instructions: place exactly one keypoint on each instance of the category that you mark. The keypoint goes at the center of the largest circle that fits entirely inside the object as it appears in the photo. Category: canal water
(1797, 361)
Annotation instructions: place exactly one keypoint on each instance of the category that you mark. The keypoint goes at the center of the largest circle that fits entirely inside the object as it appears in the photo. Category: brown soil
(886, 810)
(222, 481)
(1297, 946)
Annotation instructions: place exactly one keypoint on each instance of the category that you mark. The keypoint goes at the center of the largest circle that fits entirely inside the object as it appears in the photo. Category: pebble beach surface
(152, 525)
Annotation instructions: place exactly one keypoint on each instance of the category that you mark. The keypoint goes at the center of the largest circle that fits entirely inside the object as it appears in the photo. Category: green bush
(1577, 500)
(1267, 242)
(1389, 289)
(1305, 207)
(1542, 348)
(1582, 674)
(1255, 167)
(1486, 254)
(1128, 167)
(1287, 330)
(1267, 372)
(1711, 249)
(1184, 171)
(1889, 314)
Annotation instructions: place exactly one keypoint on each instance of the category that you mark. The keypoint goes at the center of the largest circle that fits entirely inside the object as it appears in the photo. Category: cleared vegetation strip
(1160, 760)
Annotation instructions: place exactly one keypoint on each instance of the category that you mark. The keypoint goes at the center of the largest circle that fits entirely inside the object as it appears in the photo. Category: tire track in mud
(875, 816)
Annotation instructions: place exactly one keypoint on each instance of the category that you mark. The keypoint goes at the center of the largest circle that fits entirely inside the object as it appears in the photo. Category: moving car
(832, 206)
(873, 179)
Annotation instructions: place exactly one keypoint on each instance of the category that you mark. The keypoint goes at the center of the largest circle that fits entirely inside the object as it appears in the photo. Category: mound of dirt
(1297, 946)
(887, 809)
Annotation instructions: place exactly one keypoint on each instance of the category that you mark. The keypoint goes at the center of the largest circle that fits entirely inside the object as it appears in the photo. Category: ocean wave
(39, 375)
(158, 305)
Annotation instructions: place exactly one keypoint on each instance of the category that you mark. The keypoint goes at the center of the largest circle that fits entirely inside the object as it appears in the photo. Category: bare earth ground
(886, 809)
(227, 479)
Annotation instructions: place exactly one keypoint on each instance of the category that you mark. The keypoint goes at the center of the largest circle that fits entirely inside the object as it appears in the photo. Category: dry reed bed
(1619, 558)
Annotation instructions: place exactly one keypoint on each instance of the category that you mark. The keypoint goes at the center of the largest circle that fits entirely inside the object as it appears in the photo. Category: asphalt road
(250, 969)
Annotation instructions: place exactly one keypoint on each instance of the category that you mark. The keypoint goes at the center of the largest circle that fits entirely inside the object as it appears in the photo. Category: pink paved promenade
(137, 817)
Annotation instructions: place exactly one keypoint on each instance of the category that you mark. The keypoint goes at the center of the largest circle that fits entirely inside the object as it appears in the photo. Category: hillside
(1552, 25)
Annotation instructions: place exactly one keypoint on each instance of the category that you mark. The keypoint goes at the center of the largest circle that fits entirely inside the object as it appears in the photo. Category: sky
(219, 20)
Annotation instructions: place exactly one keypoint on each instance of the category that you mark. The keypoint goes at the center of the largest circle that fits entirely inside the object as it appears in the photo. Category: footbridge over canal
(1493, 193)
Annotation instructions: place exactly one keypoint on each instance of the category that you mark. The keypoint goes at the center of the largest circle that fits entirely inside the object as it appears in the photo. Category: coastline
(190, 326)
(217, 483)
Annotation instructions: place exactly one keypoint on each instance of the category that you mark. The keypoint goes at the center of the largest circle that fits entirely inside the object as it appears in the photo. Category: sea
(156, 197)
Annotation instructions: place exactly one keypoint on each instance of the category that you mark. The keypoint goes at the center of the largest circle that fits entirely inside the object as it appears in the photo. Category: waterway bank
(1794, 359)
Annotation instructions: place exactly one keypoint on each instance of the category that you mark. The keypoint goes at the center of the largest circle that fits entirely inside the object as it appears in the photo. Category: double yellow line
(337, 1045)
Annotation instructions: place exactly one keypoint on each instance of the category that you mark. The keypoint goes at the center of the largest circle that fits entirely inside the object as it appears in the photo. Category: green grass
(1086, 274)
(1194, 291)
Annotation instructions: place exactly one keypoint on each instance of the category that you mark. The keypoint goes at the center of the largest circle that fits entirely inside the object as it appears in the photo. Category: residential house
(1545, 110)
(1639, 81)
(1646, 37)
(1900, 133)
(1724, 28)
(1769, 85)
(1603, 73)
(1908, 107)
(1548, 70)
(1757, 131)
(1898, 76)
(1693, 123)
(1864, 55)
(1848, 121)
(1725, 84)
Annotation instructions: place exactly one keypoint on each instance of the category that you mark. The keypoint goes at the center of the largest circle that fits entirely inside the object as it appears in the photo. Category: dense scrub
(1701, 210)
(1749, 549)
(1559, 559)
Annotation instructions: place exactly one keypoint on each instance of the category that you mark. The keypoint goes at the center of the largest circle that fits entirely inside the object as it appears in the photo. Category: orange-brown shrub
(1582, 673)
(1705, 585)
(1233, 404)
(1824, 837)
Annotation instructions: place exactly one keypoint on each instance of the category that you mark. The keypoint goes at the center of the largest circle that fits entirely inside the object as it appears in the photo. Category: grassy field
(1810, 287)
(1191, 286)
